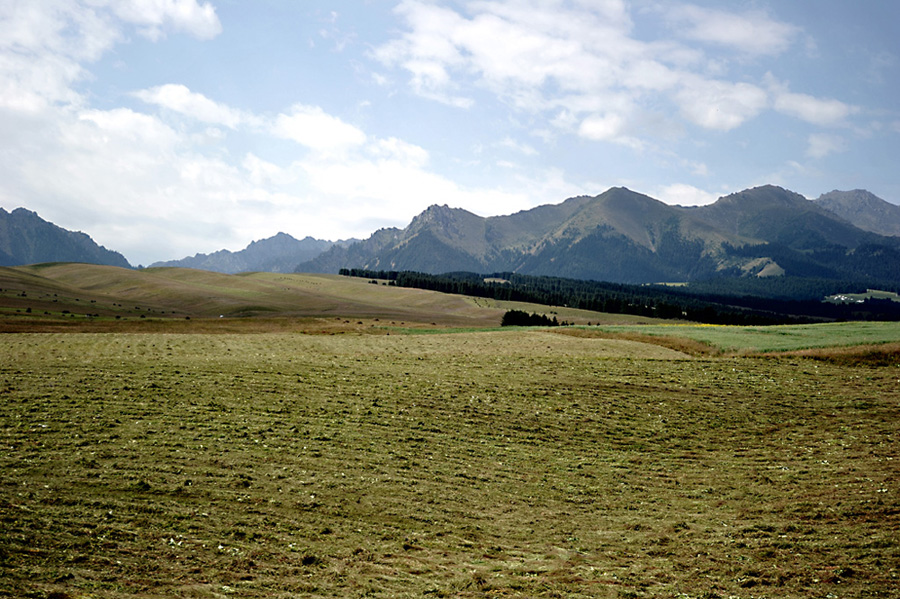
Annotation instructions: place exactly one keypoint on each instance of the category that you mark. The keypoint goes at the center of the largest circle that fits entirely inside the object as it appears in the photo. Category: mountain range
(280, 253)
(619, 236)
(628, 237)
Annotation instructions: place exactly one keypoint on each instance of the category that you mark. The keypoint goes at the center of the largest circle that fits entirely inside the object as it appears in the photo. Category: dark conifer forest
(782, 300)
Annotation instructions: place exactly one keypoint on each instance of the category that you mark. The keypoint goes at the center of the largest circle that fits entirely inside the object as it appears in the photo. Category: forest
(745, 302)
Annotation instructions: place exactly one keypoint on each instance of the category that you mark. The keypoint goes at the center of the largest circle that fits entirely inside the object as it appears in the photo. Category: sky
(164, 128)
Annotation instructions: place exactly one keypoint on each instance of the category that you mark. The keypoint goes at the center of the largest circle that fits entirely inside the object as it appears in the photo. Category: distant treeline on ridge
(713, 302)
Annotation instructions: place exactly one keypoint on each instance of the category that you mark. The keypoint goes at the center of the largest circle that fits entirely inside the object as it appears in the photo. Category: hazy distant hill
(865, 210)
(280, 253)
(26, 238)
(624, 236)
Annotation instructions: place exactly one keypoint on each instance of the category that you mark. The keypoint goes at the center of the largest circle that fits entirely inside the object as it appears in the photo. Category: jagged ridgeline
(710, 302)
(627, 237)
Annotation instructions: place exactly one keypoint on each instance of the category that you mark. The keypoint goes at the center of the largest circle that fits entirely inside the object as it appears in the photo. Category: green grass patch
(773, 338)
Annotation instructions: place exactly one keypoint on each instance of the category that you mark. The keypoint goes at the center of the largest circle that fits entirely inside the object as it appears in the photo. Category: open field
(778, 338)
(313, 442)
(486, 464)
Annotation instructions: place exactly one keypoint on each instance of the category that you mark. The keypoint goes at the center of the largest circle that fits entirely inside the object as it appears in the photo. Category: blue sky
(163, 128)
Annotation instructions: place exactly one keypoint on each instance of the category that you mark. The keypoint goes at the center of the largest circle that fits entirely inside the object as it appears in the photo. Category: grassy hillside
(90, 297)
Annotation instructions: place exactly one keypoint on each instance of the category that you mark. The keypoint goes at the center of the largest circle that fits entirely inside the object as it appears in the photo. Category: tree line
(716, 302)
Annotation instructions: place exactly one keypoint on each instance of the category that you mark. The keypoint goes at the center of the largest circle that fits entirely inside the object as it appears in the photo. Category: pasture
(514, 463)
(779, 338)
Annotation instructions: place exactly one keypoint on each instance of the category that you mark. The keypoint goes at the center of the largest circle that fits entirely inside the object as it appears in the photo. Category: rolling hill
(91, 296)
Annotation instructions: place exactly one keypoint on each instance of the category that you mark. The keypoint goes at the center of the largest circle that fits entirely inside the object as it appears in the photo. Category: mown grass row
(515, 463)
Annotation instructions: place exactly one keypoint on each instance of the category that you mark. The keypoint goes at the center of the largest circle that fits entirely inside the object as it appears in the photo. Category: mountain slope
(864, 210)
(280, 253)
(26, 238)
(628, 237)
(613, 236)
(57, 296)
(775, 215)
(619, 235)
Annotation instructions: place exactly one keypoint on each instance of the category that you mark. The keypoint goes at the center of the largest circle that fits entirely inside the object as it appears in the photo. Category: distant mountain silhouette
(26, 238)
(280, 253)
(624, 236)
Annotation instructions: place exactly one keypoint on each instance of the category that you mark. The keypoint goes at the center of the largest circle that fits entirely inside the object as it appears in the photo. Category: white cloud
(823, 144)
(522, 148)
(608, 126)
(681, 194)
(75, 30)
(582, 61)
(427, 52)
(751, 32)
(817, 111)
(514, 49)
(611, 127)
(153, 16)
(398, 150)
(182, 100)
(312, 127)
(93, 169)
(44, 45)
(263, 172)
(128, 127)
(698, 168)
(813, 110)
(720, 105)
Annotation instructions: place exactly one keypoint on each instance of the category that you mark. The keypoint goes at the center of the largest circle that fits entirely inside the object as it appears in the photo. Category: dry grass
(684, 345)
(881, 355)
(91, 298)
(507, 464)
(311, 445)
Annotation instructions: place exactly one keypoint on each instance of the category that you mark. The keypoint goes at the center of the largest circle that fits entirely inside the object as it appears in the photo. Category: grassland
(176, 458)
(91, 298)
(780, 338)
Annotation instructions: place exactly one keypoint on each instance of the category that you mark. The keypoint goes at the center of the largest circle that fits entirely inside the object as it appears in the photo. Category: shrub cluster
(520, 318)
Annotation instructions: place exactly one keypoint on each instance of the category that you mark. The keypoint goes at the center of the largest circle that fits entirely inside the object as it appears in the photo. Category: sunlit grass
(773, 338)
(506, 463)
